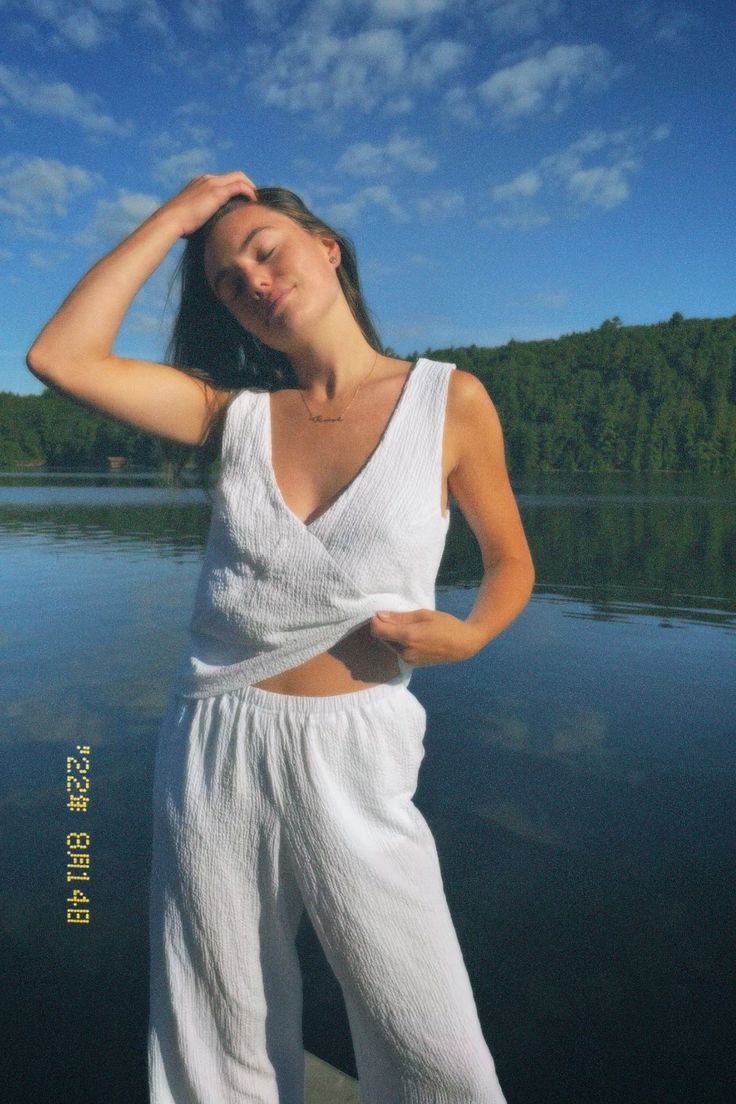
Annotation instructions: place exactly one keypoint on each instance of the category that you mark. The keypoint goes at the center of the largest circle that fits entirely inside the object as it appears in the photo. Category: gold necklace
(323, 420)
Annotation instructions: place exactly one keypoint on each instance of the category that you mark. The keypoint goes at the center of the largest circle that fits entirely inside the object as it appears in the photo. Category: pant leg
(368, 871)
(225, 984)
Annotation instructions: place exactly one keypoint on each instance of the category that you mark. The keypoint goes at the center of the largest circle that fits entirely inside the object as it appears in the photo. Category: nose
(256, 283)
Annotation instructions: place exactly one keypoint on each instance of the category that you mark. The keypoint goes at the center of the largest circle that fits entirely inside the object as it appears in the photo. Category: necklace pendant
(321, 418)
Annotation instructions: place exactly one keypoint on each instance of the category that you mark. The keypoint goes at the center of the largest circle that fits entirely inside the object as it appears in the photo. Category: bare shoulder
(472, 421)
(465, 389)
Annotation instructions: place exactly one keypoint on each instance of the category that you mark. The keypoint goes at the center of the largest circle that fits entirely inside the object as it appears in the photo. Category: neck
(333, 361)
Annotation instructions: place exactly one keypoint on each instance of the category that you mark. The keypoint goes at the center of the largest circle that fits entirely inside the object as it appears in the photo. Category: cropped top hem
(197, 679)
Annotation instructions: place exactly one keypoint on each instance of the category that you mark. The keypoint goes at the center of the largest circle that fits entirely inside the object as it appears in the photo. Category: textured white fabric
(274, 591)
(265, 803)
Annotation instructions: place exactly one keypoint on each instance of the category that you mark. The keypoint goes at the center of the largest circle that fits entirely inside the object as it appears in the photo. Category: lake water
(578, 778)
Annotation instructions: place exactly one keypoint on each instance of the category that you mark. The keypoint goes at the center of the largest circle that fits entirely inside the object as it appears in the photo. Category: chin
(293, 328)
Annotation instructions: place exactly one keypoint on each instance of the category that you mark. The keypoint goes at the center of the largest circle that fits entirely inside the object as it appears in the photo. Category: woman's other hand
(423, 636)
(201, 197)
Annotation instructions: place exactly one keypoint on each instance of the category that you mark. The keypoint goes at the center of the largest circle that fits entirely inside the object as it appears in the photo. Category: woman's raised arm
(74, 349)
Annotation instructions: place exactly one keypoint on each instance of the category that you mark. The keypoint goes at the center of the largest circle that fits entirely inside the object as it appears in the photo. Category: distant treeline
(618, 398)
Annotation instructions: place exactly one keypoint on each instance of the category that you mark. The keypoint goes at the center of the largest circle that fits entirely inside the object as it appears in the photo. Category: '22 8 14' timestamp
(77, 843)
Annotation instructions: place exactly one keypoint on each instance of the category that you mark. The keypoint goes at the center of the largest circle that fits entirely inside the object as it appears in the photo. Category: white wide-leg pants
(264, 804)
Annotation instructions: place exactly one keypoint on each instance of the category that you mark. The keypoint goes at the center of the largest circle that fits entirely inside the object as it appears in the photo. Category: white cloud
(434, 60)
(368, 159)
(673, 25)
(407, 9)
(193, 107)
(661, 132)
(327, 73)
(76, 24)
(318, 66)
(58, 99)
(594, 171)
(459, 107)
(602, 186)
(667, 25)
(341, 214)
(32, 189)
(525, 184)
(566, 160)
(520, 17)
(181, 167)
(87, 25)
(82, 28)
(402, 105)
(520, 218)
(517, 212)
(440, 203)
(545, 82)
(203, 15)
(115, 219)
(185, 134)
(152, 16)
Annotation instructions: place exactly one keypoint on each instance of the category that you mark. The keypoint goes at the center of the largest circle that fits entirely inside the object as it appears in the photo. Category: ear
(332, 250)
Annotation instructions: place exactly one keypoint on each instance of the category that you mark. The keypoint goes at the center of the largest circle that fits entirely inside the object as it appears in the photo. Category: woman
(290, 748)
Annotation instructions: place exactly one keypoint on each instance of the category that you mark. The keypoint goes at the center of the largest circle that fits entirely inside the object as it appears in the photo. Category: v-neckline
(268, 450)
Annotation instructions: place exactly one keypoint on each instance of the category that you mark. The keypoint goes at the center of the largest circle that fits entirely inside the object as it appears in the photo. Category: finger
(228, 178)
(239, 187)
(379, 631)
(390, 641)
(231, 183)
(235, 183)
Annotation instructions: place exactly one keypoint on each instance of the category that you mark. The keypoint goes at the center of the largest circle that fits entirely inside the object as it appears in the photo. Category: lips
(273, 304)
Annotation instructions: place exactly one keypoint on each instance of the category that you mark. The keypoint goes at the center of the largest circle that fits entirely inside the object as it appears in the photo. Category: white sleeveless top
(275, 591)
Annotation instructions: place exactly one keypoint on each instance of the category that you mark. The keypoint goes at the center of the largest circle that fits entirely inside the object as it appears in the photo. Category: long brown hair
(207, 342)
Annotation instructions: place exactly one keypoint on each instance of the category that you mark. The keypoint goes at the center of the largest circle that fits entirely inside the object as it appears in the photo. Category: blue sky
(506, 168)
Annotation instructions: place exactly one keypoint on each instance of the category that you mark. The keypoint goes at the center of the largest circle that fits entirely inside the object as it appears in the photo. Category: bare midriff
(360, 659)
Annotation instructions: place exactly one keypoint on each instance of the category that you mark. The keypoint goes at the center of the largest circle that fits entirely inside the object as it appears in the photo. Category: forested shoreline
(659, 397)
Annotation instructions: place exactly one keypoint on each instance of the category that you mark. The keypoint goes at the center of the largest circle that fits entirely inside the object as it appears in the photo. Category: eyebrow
(243, 245)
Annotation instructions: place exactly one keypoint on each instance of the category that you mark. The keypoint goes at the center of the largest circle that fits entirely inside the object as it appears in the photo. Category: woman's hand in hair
(201, 197)
(424, 636)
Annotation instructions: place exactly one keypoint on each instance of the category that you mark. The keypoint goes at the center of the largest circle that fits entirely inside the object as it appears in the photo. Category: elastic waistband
(327, 703)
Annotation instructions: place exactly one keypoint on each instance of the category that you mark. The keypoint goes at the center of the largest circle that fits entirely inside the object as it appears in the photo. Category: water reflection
(578, 778)
(673, 537)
